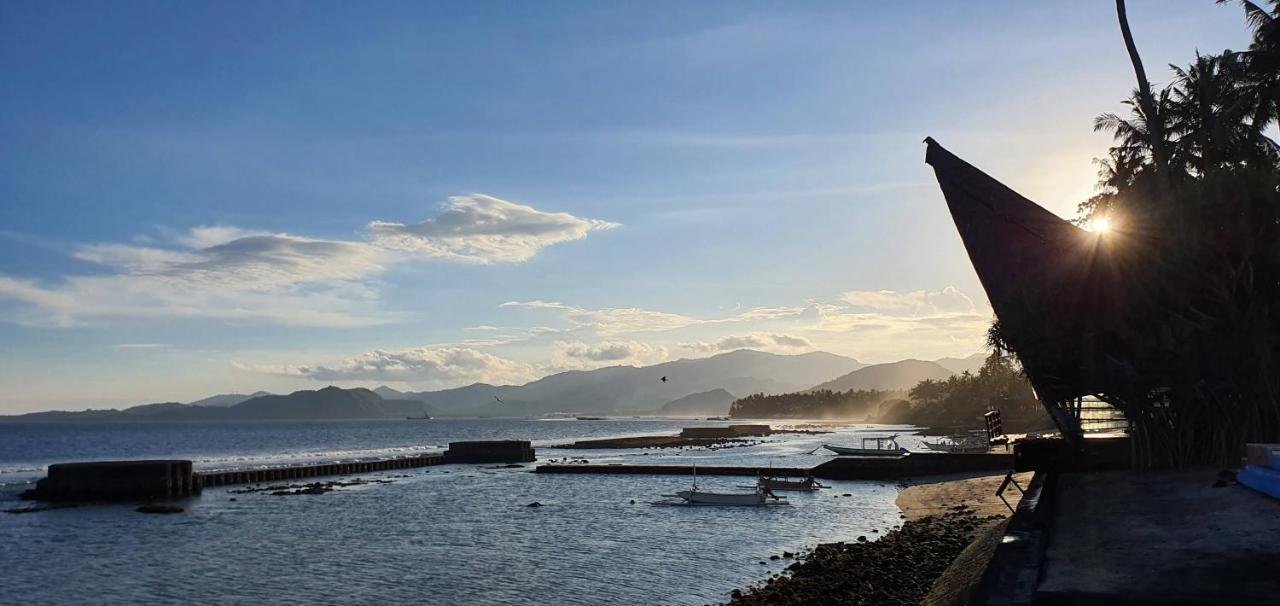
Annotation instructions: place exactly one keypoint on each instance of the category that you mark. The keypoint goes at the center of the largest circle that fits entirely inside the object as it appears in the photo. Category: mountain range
(707, 403)
(694, 386)
(892, 376)
(328, 403)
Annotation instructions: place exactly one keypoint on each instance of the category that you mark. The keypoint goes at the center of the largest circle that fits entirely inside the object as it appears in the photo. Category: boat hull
(868, 452)
(718, 498)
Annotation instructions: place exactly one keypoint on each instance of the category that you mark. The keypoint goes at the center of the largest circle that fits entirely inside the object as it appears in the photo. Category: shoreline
(950, 526)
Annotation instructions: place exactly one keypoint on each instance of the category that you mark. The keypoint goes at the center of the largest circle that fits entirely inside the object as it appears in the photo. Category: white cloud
(762, 341)
(422, 365)
(577, 355)
(947, 300)
(613, 321)
(204, 236)
(483, 229)
(236, 274)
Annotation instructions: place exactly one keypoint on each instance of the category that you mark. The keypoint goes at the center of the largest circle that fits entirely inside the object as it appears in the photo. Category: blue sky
(218, 197)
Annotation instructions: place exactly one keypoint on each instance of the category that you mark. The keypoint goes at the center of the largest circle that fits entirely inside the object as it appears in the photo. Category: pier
(300, 472)
(839, 468)
(167, 479)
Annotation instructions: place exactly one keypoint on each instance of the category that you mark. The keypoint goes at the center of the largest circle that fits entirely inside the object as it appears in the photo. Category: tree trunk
(1155, 121)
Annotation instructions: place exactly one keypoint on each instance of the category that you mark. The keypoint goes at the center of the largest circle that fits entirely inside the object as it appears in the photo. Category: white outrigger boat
(696, 496)
(885, 446)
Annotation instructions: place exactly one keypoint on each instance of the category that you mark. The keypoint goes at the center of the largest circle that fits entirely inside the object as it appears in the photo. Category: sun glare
(1099, 225)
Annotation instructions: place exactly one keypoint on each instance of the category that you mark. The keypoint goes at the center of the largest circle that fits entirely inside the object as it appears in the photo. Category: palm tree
(1262, 60)
(1145, 101)
(1212, 113)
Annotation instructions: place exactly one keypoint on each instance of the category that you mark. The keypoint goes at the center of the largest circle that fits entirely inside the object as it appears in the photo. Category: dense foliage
(960, 401)
(1191, 352)
(818, 404)
(955, 403)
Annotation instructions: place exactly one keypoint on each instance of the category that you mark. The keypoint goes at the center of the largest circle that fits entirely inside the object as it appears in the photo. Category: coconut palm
(1211, 113)
(1262, 60)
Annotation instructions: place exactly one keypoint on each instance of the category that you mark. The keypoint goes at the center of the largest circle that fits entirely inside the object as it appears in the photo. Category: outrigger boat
(696, 496)
(951, 445)
(884, 446)
(808, 484)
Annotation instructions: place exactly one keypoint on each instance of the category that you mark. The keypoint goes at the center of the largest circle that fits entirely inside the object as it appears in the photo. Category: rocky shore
(899, 568)
(943, 520)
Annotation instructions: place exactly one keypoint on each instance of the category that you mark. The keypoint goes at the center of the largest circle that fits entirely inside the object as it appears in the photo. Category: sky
(221, 197)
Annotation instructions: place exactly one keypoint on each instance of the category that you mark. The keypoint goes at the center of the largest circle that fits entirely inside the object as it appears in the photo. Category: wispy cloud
(483, 229)
(577, 355)
(947, 300)
(613, 320)
(422, 365)
(236, 274)
(750, 341)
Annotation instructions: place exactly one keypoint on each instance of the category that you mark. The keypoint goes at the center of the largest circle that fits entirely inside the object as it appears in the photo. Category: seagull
(664, 379)
(499, 400)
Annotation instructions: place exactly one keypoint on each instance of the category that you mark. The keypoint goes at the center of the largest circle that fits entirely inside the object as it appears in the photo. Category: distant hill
(227, 399)
(892, 376)
(970, 364)
(327, 403)
(628, 388)
(387, 393)
(715, 402)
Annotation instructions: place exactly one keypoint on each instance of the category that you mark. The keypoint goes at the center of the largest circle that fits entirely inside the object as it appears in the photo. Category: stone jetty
(146, 480)
(116, 480)
(838, 468)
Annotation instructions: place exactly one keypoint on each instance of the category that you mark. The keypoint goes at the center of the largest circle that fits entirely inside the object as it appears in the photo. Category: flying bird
(664, 379)
(499, 400)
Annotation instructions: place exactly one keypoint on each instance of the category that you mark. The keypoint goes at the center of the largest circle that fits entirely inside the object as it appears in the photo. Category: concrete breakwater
(838, 468)
(142, 480)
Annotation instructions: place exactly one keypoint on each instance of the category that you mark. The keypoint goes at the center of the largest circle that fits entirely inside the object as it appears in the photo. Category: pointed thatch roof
(1057, 290)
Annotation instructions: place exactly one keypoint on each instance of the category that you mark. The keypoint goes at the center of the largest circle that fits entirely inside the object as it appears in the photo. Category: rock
(774, 557)
(862, 538)
(231, 499)
(788, 554)
(160, 508)
(847, 494)
(633, 501)
(534, 504)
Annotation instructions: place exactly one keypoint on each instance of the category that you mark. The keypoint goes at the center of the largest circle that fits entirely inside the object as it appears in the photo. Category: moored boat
(876, 446)
(696, 496)
(808, 484)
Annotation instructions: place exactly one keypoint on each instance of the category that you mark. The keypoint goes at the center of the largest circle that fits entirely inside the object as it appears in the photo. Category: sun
(1099, 225)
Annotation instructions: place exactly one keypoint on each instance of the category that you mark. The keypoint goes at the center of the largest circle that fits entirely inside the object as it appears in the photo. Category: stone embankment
(168, 479)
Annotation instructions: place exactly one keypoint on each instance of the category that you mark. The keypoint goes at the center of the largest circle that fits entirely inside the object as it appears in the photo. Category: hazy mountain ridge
(615, 389)
(893, 376)
(633, 389)
(228, 399)
(715, 402)
(969, 364)
(328, 403)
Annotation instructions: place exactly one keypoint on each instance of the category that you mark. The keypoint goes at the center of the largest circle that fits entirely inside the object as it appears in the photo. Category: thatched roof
(1057, 290)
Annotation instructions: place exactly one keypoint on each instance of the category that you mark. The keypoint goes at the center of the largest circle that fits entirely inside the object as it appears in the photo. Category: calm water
(456, 534)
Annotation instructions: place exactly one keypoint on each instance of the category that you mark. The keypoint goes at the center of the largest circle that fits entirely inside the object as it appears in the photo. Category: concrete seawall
(839, 468)
(279, 474)
(144, 480)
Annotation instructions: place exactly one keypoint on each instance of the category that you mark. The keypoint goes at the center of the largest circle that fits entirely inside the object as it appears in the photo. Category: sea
(451, 534)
